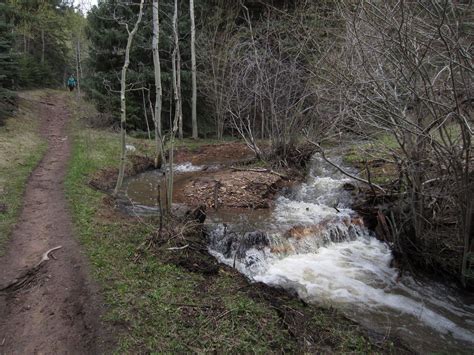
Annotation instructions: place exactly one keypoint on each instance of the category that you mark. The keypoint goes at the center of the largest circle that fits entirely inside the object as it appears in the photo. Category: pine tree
(8, 63)
(40, 30)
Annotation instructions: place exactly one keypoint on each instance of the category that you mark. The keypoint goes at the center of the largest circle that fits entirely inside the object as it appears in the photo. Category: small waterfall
(315, 244)
(314, 215)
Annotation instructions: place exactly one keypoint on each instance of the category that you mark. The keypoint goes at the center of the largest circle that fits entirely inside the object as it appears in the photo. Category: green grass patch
(378, 148)
(21, 148)
(377, 154)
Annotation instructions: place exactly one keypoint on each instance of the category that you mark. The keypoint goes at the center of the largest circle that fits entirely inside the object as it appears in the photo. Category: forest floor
(46, 306)
(156, 299)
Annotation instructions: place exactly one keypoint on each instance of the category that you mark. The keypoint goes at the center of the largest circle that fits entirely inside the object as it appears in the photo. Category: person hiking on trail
(71, 82)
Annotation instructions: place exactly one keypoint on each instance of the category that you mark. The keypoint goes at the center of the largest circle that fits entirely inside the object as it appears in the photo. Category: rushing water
(313, 243)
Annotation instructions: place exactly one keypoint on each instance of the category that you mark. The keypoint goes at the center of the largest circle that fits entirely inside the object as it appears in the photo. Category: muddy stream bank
(306, 238)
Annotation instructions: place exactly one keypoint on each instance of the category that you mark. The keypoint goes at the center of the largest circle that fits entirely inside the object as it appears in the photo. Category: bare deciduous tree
(215, 38)
(123, 105)
(267, 91)
(176, 61)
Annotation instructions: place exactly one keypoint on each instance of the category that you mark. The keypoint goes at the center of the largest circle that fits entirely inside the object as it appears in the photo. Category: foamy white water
(316, 245)
(186, 167)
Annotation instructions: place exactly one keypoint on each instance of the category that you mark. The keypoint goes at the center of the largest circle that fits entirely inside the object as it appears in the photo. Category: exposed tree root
(28, 275)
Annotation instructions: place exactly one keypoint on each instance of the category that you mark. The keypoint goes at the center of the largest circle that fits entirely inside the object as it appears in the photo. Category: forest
(236, 176)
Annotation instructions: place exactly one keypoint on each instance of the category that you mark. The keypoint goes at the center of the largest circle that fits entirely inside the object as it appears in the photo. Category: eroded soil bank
(54, 308)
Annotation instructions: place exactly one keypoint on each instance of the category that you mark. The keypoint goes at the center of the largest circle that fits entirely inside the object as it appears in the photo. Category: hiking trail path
(55, 307)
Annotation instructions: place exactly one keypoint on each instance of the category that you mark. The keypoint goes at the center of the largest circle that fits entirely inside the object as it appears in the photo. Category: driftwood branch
(268, 171)
(27, 276)
(179, 248)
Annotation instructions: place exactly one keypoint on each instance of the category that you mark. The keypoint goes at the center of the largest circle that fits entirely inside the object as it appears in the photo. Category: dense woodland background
(396, 76)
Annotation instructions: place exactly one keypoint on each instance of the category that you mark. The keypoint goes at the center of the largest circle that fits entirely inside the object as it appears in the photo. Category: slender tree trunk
(193, 69)
(177, 122)
(123, 106)
(78, 60)
(174, 128)
(180, 99)
(145, 110)
(177, 70)
(158, 87)
(42, 46)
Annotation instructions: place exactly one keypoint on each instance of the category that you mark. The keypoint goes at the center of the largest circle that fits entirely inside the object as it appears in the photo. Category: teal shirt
(71, 81)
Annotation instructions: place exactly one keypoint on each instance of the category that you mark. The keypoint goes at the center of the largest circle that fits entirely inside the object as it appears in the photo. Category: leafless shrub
(261, 77)
(406, 69)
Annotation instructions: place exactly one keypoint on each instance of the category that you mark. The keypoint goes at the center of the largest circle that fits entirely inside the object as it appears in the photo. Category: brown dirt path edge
(59, 311)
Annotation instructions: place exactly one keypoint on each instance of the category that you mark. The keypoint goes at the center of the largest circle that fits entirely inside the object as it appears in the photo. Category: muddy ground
(52, 307)
(224, 153)
(231, 189)
(226, 178)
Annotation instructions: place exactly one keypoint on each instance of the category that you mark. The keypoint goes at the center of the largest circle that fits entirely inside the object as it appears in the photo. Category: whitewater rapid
(315, 244)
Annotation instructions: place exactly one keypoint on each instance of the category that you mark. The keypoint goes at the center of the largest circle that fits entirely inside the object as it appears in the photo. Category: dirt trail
(58, 310)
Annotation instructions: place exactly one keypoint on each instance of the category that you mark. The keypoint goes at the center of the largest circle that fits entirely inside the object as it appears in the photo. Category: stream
(314, 244)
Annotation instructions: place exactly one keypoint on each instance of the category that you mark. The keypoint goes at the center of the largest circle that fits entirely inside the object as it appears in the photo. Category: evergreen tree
(41, 40)
(8, 62)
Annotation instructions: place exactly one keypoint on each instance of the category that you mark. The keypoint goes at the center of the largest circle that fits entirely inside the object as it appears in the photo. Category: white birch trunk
(158, 86)
(123, 106)
(177, 122)
(177, 70)
(193, 69)
(174, 128)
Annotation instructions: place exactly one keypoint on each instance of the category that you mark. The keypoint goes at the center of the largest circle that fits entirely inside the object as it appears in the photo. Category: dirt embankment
(52, 306)
(105, 179)
(225, 154)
